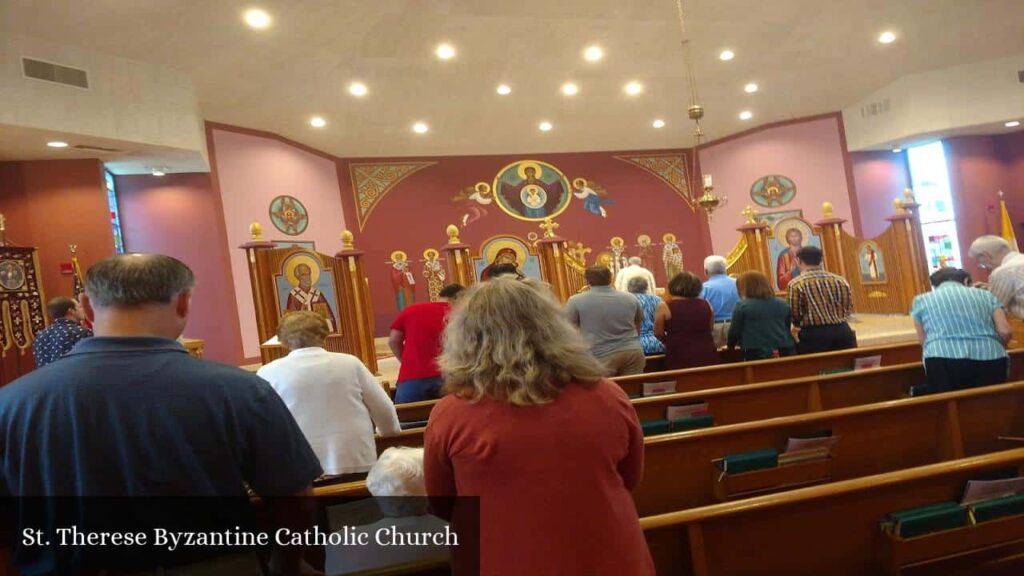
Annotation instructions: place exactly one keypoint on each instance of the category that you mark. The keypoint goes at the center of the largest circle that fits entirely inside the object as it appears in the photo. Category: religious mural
(472, 201)
(402, 280)
(645, 250)
(304, 244)
(371, 181)
(773, 191)
(671, 255)
(304, 284)
(288, 215)
(594, 196)
(872, 263)
(531, 190)
(21, 298)
(788, 237)
(434, 273)
(506, 250)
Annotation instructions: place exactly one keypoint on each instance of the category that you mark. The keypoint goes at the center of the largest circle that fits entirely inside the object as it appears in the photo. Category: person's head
(598, 276)
(304, 274)
(753, 284)
(635, 261)
(398, 472)
(685, 285)
(66, 308)
(302, 329)
(451, 292)
(637, 285)
(794, 237)
(511, 341)
(138, 295)
(988, 251)
(507, 269)
(714, 265)
(808, 257)
(506, 256)
(943, 275)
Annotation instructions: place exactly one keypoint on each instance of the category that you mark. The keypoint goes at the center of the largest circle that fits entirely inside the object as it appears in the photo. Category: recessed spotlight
(57, 144)
(257, 18)
(1012, 124)
(887, 37)
(358, 89)
(726, 55)
(659, 123)
(158, 172)
(750, 88)
(504, 89)
(897, 150)
(633, 88)
(746, 115)
(445, 51)
(545, 126)
(593, 53)
(317, 122)
(420, 128)
(570, 89)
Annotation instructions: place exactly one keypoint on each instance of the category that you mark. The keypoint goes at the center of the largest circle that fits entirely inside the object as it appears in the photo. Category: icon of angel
(472, 199)
(594, 196)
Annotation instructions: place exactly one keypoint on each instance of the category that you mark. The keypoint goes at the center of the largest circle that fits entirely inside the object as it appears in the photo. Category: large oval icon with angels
(531, 190)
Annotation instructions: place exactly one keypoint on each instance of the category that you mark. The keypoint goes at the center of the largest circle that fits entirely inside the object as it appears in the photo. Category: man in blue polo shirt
(720, 292)
(130, 413)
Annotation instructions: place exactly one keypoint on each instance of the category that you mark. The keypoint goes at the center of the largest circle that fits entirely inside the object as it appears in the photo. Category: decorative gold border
(362, 219)
(682, 155)
(495, 191)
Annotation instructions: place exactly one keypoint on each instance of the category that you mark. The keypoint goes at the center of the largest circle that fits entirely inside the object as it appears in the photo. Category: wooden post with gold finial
(553, 266)
(752, 251)
(832, 240)
(3, 230)
(265, 325)
(356, 310)
(906, 226)
(459, 262)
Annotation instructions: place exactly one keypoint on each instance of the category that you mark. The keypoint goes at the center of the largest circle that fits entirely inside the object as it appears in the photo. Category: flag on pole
(1007, 225)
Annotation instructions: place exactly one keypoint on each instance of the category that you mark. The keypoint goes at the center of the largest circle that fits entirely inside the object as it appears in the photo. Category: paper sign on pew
(867, 362)
(655, 388)
(683, 411)
(979, 490)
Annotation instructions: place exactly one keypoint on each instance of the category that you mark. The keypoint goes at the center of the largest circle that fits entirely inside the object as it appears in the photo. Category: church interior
(353, 157)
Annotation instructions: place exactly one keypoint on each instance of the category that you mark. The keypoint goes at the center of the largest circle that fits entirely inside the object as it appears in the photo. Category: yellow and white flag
(1007, 225)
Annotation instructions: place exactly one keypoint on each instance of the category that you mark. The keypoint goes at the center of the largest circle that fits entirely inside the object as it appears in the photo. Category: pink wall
(251, 170)
(1010, 149)
(881, 177)
(810, 152)
(180, 215)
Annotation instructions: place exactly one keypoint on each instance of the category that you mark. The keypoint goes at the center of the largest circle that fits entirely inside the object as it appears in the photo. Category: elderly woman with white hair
(531, 427)
(1006, 281)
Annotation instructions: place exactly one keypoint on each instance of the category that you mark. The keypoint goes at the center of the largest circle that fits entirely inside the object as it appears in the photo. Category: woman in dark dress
(684, 324)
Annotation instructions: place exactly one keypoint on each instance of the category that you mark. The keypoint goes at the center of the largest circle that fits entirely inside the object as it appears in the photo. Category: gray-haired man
(720, 292)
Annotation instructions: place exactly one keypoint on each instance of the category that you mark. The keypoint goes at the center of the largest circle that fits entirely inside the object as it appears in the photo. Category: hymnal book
(998, 507)
(867, 362)
(687, 410)
(980, 490)
(748, 461)
(826, 442)
(655, 388)
(693, 423)
(652, 427)
(925, 519)
(840, 370)
(807, 455)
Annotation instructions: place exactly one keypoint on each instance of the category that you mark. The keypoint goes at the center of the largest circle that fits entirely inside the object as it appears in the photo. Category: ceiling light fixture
(445, 51)
(420, 128)
(659, 123)
(570, 89)
(593, 53)
(504, 89)
(726, 55)
(545, 126)
(159, 172)
(57, 144)
(257, 18)
(746, 115)
(358, 89)
(897, 150)
(887, 37)
(633, 88)
(317, 122)
(1012, 124)
(750, 88)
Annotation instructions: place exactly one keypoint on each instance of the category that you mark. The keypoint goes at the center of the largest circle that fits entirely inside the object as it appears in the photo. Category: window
(930, 179)
(115, 214)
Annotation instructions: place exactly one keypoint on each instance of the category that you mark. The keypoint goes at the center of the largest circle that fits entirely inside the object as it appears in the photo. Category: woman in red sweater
(530, 426)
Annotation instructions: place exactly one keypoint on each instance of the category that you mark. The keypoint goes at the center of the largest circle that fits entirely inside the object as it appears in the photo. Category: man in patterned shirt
(1006, 282)
(822, 303)
(62, 335)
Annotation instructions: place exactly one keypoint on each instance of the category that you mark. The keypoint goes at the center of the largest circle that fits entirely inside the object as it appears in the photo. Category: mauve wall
(412, 217)
(180, 215)
(251, 170)
(880, 178)
(1010, 149)
(810, 153)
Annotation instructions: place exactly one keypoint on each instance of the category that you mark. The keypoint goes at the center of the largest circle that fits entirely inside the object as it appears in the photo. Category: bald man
(1006, 281)
(634, 270)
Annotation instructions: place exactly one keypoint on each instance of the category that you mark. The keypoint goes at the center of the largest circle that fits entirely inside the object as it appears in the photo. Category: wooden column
(266, 322)
(755, 254)
(912, 272)
(551, 253)
(355, 314)
(832, 241)
(459, 262)
(915, 242)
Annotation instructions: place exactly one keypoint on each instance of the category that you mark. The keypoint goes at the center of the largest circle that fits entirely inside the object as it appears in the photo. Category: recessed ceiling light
(420, 128)
(593, 53)
(897, 150)
(545, 126)
(570, 89)
(750, 88)
(633, 88)
(445, 51)
(317, 122)
(659, 123)
(504, 89)
(158, 172)
(358, 89)
(57, 144)
(257, 18)
(1012, 124)
(746, 115)
(726, 55)
(887, 37)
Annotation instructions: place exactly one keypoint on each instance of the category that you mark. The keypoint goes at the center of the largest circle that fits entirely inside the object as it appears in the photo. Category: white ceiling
(808, 56)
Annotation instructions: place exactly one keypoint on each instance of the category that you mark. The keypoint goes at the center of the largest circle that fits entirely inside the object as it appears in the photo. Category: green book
(693, 423)
(840, 370)
(747, 461)
(998, 507)
(652, 427)
(926, 519)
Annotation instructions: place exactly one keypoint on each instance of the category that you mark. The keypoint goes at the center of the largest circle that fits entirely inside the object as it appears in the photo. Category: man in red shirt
(416, 341)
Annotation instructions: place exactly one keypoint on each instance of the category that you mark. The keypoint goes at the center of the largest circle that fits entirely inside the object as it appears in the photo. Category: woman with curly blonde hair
(532, 428)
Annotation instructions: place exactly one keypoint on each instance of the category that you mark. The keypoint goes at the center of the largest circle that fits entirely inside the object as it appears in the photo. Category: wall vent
(88, 148)
(51, 72)
(874, 108)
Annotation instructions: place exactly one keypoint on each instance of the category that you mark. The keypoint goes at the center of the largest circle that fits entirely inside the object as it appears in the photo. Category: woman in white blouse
(335, 400)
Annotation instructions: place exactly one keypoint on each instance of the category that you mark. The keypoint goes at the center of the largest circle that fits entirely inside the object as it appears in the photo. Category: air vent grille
(874, 108)
(54, 73)
(1020, 76)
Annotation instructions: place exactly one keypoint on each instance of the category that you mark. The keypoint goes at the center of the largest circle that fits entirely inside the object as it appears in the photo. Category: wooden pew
(833, 529)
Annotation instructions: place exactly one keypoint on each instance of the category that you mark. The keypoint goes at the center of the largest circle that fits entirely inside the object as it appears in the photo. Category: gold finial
(549, 226)
(347, 240)
(750, 214)
(1000, 194)
(73, 248)
(827, 209)
(453, 234)
(908, 196)
(897, 205)
(256, 231)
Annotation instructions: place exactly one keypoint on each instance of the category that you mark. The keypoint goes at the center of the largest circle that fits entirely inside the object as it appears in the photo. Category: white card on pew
(980, 490)
(655, 388)
(867, 362)
(686, 411)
